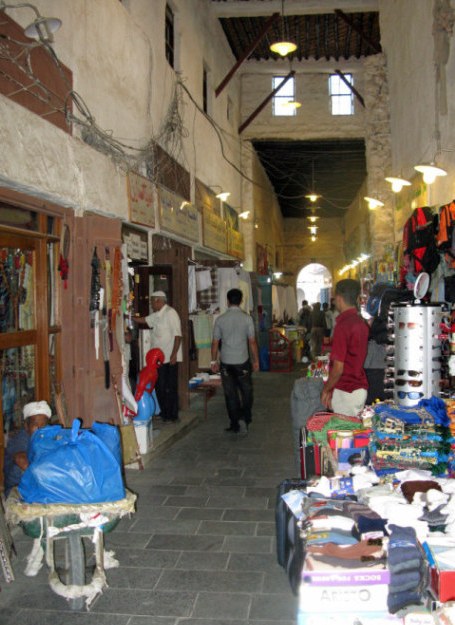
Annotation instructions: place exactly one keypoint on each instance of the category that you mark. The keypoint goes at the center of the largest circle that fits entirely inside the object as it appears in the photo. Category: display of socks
(405, 562)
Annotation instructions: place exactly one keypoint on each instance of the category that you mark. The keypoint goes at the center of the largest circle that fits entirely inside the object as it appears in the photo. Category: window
(169, 35)
(341, 95)
(205, 87)
(286, 94)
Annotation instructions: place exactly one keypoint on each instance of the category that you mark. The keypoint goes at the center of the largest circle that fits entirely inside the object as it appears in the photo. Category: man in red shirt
(345, 391)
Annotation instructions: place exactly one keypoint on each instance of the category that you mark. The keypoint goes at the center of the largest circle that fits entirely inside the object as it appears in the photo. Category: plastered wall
(116, 53)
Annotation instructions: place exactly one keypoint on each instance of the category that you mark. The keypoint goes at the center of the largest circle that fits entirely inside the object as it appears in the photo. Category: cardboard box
(339, 590)
(349, 618)
(442, 572)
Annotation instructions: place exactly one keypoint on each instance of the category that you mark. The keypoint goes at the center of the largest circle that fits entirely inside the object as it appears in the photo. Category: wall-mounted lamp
(397, 183)
(373, 203)
(313, 238)
(42, 28)
(313, 218)
(277, 274)
(430, 172)
(256, 225)
(221, 195)
(244, 214)
(313, 229)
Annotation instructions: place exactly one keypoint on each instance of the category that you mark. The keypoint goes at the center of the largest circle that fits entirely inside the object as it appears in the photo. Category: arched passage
(314, 283)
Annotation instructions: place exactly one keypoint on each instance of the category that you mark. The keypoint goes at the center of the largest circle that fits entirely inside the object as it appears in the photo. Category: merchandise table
(208, 390)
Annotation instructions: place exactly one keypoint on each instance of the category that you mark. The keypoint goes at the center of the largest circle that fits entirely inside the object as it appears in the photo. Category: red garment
(349, 346)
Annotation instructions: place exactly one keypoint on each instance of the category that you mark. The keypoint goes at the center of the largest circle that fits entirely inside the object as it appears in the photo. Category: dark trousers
(238, 392)
(167, 391)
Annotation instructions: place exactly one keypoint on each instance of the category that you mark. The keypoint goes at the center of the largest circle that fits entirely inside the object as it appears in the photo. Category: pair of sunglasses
(411, 325)
(410, 382)
(410, 372)
(409, 394)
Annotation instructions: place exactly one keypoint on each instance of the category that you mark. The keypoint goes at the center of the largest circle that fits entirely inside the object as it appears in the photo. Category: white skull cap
(37, 407)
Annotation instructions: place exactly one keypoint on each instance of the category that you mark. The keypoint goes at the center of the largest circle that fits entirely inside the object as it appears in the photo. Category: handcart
(66, 526)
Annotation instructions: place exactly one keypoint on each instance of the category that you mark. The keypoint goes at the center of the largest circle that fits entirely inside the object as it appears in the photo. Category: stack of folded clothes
(407, 571)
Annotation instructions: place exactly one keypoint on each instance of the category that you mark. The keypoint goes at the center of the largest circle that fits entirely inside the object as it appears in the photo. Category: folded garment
(405, 581)
(434, 517)
(421, 486)
(338, 537)
(396, 601)
(366, 525)
(361, 550)
(403, 551)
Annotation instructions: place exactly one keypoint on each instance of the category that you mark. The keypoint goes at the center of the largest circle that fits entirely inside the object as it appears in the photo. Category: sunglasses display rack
(417, 352)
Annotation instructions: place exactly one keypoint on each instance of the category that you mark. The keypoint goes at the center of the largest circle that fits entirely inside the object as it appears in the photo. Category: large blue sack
(70, 466)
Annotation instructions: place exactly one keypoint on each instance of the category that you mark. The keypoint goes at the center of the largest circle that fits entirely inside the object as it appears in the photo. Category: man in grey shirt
(234, 339)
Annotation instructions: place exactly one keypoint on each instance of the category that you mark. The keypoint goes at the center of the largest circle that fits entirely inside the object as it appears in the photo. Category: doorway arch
(314, 283)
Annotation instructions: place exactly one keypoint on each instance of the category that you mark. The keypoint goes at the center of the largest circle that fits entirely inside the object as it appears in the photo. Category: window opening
(280, 102)
(341, 96)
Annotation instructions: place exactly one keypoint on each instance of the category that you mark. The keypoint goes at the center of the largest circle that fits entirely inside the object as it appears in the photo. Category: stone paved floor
(200, 550)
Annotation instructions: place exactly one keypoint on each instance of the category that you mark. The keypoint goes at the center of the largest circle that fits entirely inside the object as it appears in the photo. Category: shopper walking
(234, 340)
(346, 388)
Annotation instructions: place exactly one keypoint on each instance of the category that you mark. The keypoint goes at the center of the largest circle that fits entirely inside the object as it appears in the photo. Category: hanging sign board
(214, 231)
(140, 200)
(235, 244)
(136, 243)
(177, 215)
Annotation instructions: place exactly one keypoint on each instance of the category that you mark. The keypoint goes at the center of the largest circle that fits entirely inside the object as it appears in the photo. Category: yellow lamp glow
(397, 183)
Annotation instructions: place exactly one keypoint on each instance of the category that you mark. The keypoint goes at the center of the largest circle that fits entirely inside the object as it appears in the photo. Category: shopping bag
(70, 466)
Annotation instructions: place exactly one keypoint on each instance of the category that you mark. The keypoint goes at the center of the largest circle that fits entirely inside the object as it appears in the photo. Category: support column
(378, 153)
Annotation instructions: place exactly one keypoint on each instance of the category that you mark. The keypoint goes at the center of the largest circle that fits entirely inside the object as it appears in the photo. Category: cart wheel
(75, 566)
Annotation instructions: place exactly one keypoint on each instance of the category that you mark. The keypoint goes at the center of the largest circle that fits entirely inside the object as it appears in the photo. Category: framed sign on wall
(141, 200)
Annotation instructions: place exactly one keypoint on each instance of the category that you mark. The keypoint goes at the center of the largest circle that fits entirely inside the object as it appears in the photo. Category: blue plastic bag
(70, 466)
(110, 436)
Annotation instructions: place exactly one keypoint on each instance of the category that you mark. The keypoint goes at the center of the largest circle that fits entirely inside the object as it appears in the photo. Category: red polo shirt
(349, 346)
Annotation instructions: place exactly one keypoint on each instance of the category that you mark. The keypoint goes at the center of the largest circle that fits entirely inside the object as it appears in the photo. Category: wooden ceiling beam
(350, 22)
(351, 87)
(258, 8)
(256, 112)
(268, 24)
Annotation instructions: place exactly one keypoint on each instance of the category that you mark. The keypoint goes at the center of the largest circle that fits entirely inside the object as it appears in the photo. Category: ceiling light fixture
(313, 229)
(223, 196)
(397, 183)
(313, 238)
(283, 47)
(312, 196)
(430, 172)
(42, 28)
(373, 203)
(244, 214)
(313, 218)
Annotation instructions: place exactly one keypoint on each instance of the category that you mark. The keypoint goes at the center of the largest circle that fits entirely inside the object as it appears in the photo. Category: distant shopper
(234, 340)
(166, 334)
(36, 415)
(328, 320)
(318, 327)
(346, 388)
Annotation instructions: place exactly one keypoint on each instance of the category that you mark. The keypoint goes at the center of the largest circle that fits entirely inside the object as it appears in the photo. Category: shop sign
(235, 244)
(136, 243)
(214, 231)
(177, 215)
(140, 200)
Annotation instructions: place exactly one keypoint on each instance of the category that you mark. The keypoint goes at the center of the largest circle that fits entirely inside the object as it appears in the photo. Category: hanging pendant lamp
(283, 47)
